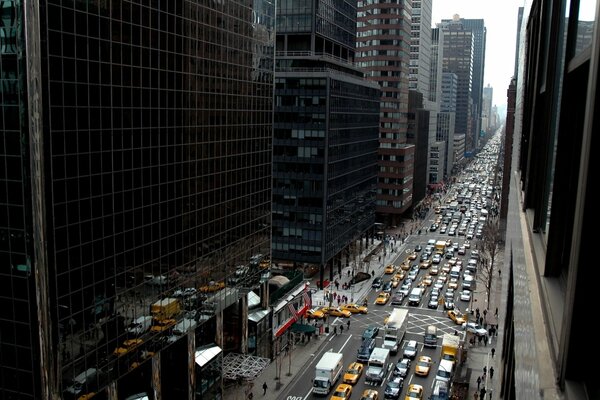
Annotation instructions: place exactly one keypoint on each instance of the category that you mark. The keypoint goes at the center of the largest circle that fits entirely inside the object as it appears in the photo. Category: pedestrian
(496, 313)
(265, 387)
(335, 330)
(485, 340)
(250, 396)
(484, 370)
(490, 393)
(482, 394)
(478, 382)
(341, 329)
(493, 352)
(491, 372)
(475, 395)
(348, 323)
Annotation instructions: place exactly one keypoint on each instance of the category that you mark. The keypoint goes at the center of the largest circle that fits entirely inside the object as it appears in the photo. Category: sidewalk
(295, 361)
(479, 355)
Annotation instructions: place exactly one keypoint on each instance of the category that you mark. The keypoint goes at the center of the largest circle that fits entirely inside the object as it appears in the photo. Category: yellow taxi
(353, 373)
(390, 269)
(457, 317)
(127, 346)
(423, 366)
(370, 394)
(414, 392)
(425, 264)
(412, 256)
(355, 308)
(315, 313)
(453, 284)
(212, 287)
(87, 396)
(336, 312)
(342, 392)
(427, 280)
(405, 266)
(434, 270)
(163, 325)
(446, 268)
(382, 298)
(400, 275)
(395, 282)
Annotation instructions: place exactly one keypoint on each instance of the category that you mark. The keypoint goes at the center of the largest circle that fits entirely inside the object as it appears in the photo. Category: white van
(414, 298)
(445, 370)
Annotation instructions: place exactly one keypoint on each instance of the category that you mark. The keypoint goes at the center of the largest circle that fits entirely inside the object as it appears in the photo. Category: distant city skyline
(501, 23)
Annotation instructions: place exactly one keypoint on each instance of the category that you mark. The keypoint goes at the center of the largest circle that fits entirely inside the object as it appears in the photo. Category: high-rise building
(383, 52)
(136, 193)
(549, 228)
(486, 110)
(464, 54)
(420, 47)
(326, 137)
(446, 121)
(418, 134)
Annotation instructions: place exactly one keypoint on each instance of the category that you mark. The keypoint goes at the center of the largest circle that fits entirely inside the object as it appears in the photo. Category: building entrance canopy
(239, 366)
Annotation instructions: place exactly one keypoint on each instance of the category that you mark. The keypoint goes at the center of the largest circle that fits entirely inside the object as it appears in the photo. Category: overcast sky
(500, 19)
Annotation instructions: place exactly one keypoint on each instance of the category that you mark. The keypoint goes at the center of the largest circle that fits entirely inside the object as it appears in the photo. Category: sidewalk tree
(489, 247)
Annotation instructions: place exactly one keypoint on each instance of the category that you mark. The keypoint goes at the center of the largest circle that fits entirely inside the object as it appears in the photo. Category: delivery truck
(450, 345)
(394, 330)
(377, 366)
(327, 372)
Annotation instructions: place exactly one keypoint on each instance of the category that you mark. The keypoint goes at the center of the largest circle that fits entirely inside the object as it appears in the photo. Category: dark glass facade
(325, 136)
(136, 161)
(323, 173)
(553, 118)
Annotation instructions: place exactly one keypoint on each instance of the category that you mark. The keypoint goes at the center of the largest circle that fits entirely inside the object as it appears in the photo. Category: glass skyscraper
(325, 136)
(136, 168)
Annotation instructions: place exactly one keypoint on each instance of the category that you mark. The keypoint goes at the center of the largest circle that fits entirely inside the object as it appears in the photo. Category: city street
(296, 377)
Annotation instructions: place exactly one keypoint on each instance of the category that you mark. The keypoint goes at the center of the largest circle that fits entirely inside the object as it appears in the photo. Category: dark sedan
(371, 332)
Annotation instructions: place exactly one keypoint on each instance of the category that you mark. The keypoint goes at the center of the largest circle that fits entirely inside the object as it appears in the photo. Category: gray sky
(500, 19)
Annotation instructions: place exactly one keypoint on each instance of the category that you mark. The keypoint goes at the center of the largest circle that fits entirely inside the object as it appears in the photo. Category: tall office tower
(137, 153)
(325, 137)
(549, 238)
(419, 80)
(466, 58)
(418, 134)
(420, 47)
(486, 110)
(383, 52)
(446, 127)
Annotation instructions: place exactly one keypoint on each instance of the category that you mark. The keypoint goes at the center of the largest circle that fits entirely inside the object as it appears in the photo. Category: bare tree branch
(489, 247)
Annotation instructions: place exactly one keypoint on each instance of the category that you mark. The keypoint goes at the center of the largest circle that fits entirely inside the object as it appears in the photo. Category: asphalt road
(420, 317)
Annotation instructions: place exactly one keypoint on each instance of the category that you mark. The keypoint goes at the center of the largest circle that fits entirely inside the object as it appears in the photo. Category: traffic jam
(427, 307)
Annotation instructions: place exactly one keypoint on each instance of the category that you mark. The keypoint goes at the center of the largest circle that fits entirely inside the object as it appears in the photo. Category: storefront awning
(256, 316)
(303, 328)
(206, 355)
(253, 300)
